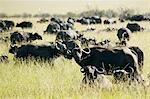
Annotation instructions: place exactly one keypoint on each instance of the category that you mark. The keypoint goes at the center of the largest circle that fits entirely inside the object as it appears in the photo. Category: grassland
(40, 80)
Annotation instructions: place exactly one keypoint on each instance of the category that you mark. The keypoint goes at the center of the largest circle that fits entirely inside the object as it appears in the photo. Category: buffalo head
(123, 74)
(13, 49)
(91, 71)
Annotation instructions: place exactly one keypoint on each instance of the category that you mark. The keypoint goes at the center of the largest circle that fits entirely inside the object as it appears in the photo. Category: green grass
(40, 80)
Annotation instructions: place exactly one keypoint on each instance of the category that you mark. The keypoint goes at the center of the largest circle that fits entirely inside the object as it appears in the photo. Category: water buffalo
(53, 27)
(134, 27)
(66, 35)
(106, 58)
(109, 22)
(137, 18)
(123, 75)
(71, 20)
(56, 19)
(124, 34)
(24, 36)
(24, 24)
(121, 20)
(97, 19)
(9, 24)
(45, 51)
(43, 20)
(85, 21)
(89, 20)
(66, 26)
(94, 76)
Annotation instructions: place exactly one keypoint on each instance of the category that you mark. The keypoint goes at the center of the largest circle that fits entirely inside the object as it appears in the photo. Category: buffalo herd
(96, 59)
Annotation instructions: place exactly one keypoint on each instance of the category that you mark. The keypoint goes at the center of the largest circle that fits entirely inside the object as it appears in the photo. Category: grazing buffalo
(134, 27)
(24, 25)
(106, 22)
(56, 19)
(66, 26)
(123, 75)
(89, 20)
(140, 54)
(137, 18)
(109, 22)
(69, 45)
(9, 24)
(53, 27)
(63, 25)
(86, 41)
(124, 34)
(45, 51)
(24, 36)
(64, 35)
(97, 19)
(85, 21)
(108, 59)
(3, 58)
(71, 20)
(121, 20)
(94, 76)
(43, 20)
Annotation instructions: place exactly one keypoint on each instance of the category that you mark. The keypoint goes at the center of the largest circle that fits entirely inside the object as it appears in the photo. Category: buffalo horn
(87, 52)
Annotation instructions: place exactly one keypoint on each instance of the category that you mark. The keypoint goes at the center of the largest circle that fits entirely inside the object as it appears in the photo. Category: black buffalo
(64, 35)
(43, 20)
(45, 51)
(53, 27)
(97, 19)
(93, 76)
(134, 27)
(121, 20)
(9, 24)
(137, 18)
(124, 34)
(24, 25)
(56, 19)
(90, 20)
(108, 59)
(71, 20)
(66, 26)
(109, 22)
(24, 36)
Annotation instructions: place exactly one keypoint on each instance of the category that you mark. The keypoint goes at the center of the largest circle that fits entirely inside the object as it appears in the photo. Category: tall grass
(40, 80)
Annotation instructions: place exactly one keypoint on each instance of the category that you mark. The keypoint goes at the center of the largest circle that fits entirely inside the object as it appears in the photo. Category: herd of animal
(96, 59)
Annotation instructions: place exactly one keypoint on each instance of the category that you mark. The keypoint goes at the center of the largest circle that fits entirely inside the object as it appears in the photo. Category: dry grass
(39, 80)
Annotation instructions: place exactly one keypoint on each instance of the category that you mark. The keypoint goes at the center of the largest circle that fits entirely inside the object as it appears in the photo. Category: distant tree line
(122, 13)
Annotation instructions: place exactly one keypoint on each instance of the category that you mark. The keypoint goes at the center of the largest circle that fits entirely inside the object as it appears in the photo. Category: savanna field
(63, 80)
